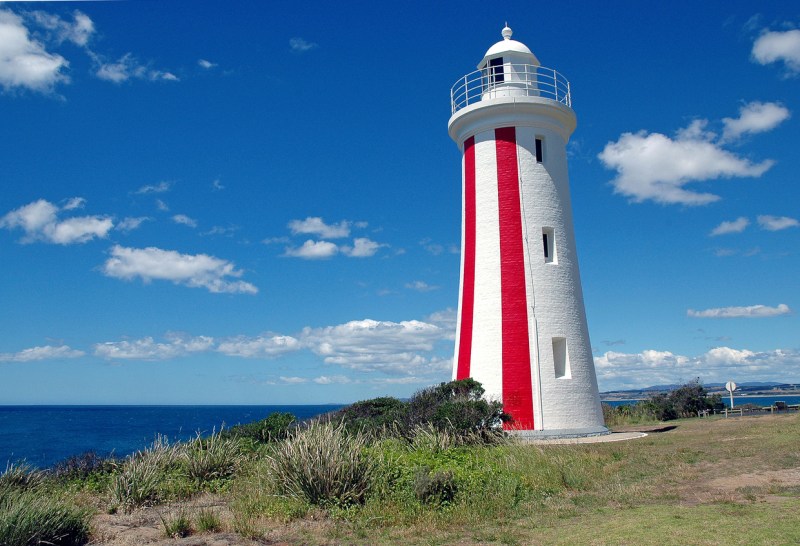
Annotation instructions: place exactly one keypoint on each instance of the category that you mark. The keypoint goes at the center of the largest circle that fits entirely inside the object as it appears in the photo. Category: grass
(709, 481)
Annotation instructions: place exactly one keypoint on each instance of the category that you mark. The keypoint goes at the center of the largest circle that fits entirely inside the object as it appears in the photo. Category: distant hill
(745, 386)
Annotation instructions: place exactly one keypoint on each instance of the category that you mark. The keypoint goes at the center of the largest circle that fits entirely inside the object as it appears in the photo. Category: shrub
(20, 475)
(208, 521)
(323, 464)
(29, 516)
(80, 467)
(273, 428)
(142, 475)
(212, 458)
(176, 525)
(373, 416)
(435, 487)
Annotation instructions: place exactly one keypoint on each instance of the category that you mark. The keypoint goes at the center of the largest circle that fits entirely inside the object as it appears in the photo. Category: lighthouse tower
(521, 321)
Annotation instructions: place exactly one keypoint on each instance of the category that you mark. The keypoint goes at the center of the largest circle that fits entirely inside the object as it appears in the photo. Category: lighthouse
(522, 328)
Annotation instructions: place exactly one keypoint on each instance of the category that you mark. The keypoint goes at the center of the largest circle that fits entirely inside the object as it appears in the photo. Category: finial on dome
(507, 32)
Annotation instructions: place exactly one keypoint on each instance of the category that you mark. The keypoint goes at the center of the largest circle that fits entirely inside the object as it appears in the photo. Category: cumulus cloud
(46, 352)
(24, 62)
(362, 248)
(734, 226)
(196, 271)
(184, 220)
(148, 349)
(128, 67)
(206, 64)
(332, 380)
(313, 250)
(779, 46)
(754, 117)
(259, 347)
(316, 226)
(751, 311)
(622, 370)
(40, 222)
(776, 223)
(370, 345)
(656, 167)
(299, 45)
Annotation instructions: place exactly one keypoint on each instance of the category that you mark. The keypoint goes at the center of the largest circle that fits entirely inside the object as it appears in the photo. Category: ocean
(45, 435)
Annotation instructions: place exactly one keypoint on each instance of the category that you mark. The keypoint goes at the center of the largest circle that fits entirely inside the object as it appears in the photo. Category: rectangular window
(496, 70)
(549, 245)
(561, 358)
(539, 155)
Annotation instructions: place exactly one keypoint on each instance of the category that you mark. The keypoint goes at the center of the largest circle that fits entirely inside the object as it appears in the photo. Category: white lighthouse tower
(521, 321)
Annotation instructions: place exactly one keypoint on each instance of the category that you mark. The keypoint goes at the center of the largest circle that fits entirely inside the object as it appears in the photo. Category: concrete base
(600, 438)
(559, 433)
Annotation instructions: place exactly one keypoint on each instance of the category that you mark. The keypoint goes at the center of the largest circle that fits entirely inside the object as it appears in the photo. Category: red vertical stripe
(517, 388)
(468, 283)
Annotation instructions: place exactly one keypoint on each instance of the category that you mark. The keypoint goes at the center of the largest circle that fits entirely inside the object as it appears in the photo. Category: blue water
(764, 401)
(44, 435)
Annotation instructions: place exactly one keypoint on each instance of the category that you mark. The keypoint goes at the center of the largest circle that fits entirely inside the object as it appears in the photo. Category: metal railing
(509, 80)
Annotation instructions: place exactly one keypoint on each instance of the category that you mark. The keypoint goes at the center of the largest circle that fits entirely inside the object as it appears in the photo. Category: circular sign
(730, 386)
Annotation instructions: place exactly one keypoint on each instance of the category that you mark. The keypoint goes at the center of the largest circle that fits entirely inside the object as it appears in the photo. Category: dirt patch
(145, 526)
(741, 487)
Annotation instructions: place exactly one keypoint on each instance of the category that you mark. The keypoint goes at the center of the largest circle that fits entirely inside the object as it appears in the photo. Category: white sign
(730, 386)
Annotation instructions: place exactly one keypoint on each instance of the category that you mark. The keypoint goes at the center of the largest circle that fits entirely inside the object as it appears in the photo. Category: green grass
(35, 516)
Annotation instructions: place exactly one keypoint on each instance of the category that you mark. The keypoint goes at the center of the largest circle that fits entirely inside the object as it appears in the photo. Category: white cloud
(313, 250)
(148, 349)
(24, 62)
(161, 205)
(776, 46)
(217, 185)
(754, 117)
(184, 220)
(161, 187)
(46, 352)
(300, 45)
(39, 220)
(620, 370)
(197, 271)
(79, 31)
(370, 345)
(362, 248)
(206, 64)
(420, 286)
(653, 166)
(751, 311)
(315, 225)
(332, 380)
(734, 226)
(128, 67)
(776, 223)
(293, 380)
(131, 223)
(260, 347)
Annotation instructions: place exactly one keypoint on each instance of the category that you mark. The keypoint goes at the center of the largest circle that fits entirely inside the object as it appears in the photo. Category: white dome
(506, 46)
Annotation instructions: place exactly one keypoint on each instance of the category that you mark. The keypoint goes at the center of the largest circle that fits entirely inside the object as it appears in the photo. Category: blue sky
(230, 202)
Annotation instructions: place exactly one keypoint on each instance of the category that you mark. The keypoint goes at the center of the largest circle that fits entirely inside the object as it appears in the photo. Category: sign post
(730, 386)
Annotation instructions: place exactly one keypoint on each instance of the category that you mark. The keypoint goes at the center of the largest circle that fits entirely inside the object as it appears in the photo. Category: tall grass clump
(31, 516)
(212, 458)
(143, 474)
(21, 475)
(323, 464)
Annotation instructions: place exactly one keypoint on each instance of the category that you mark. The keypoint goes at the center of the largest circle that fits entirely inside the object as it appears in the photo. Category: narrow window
(539, 156)
(561, 358)
(496, 70)
(549, 245)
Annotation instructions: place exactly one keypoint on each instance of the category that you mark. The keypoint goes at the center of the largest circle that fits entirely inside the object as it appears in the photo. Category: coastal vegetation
(431, 470)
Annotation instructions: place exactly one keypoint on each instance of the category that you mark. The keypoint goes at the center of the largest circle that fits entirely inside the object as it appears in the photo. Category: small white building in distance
(521, 321)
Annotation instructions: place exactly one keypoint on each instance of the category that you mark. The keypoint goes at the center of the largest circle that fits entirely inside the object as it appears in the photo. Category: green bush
(273, 428)
(31, 516)
(323, 464)
(435, 487)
